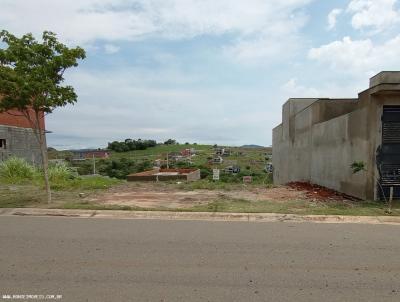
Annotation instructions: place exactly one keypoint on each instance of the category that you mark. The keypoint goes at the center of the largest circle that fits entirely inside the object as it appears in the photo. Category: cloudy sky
(206, 71)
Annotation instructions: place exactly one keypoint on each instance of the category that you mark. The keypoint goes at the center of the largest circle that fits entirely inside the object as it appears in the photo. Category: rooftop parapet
(385, 77)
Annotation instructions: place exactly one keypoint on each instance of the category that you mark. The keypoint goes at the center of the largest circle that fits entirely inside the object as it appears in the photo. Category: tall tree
(31, 81)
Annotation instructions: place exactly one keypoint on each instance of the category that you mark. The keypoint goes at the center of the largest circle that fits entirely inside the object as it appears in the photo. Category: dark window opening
(388, 155)
(3, 144)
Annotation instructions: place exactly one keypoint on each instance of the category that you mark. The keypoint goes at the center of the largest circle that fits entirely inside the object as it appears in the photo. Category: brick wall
(189, 175)
(10, 119)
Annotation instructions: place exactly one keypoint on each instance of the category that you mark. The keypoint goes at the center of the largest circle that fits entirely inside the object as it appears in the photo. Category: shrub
(170, 142)
(85, 167)
(204, 170)
(60, 173)
(122, 167)
(17, 170)
(357, 166)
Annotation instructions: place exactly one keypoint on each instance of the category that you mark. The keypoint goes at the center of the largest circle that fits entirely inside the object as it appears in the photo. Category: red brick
(10, 119)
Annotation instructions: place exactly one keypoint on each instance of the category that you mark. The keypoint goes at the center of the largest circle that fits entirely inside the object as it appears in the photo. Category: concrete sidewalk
(210, 216)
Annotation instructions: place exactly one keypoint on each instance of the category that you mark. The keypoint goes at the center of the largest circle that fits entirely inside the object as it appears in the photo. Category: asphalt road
(152, 260)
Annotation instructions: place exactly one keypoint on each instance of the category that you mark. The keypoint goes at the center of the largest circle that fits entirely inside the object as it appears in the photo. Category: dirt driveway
(152, 195)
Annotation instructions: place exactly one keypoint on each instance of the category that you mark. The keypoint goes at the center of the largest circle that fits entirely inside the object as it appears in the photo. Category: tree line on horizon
(139, 144)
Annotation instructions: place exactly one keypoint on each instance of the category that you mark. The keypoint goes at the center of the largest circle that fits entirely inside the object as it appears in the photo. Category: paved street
(153, 260)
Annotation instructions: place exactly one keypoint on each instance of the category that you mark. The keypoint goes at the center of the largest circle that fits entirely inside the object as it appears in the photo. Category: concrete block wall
(20, 142)
(321, 146)
(280, 155)
(319, 139)
(193, 176)
(336, 144)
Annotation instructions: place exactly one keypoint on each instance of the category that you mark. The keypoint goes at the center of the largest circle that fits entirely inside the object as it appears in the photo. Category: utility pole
(94, 165)
(167, 160)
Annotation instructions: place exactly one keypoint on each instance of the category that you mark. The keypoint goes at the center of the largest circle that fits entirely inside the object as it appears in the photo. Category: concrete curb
(206, 216)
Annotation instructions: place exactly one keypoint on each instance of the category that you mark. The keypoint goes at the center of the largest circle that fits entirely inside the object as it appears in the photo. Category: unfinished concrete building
(17, 138)
(319, 139)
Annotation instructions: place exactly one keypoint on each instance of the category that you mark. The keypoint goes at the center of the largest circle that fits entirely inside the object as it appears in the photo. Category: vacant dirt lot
(160, 195)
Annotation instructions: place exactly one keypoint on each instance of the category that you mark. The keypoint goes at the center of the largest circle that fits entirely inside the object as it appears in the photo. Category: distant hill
(252, 146)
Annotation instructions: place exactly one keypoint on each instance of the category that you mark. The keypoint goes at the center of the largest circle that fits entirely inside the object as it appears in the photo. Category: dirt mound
(320, 193)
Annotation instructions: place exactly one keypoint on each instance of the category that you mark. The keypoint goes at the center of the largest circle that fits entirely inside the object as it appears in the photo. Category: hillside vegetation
(250, 160)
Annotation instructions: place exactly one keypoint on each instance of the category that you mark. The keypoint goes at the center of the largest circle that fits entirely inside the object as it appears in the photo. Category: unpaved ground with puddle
(151, 195)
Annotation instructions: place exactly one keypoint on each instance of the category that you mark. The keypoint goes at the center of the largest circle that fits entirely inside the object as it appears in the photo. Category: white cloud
(111, 49)
(293, 89)
(256, 24)
(332, 18)
(323, 89)
(359, 56)
(377, 15)
(274, 42)
(158, 105)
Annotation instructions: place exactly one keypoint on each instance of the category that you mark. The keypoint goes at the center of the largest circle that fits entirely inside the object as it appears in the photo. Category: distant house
(88, 154)
(98, 154)
(217, 160)
(188, 152)
(172, 155)
(227, 152)
(158, 163)
(179, 158)
(175, 157)
(219, 151)
(232, 169)
(269, 168)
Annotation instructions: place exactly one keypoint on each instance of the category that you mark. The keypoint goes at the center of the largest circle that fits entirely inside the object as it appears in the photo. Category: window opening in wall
(3, 144)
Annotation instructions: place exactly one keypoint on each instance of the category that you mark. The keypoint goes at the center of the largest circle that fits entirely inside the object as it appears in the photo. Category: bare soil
(152, 195)
(319, 193)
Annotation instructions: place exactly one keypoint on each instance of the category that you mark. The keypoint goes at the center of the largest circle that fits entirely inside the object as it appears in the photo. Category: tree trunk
(45, 163)
(41, 136)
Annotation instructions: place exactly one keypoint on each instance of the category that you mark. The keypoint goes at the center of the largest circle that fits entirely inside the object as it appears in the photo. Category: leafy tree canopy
(131, 144)
(32, 72)
(170, 142)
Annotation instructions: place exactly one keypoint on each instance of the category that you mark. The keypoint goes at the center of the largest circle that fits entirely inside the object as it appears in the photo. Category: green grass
(64, 192)
(85, 183)
(206, 184)
(21, 196)
(297, 207)
(155, 152)
(21, 185)
(16, 196)
(17, 171)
